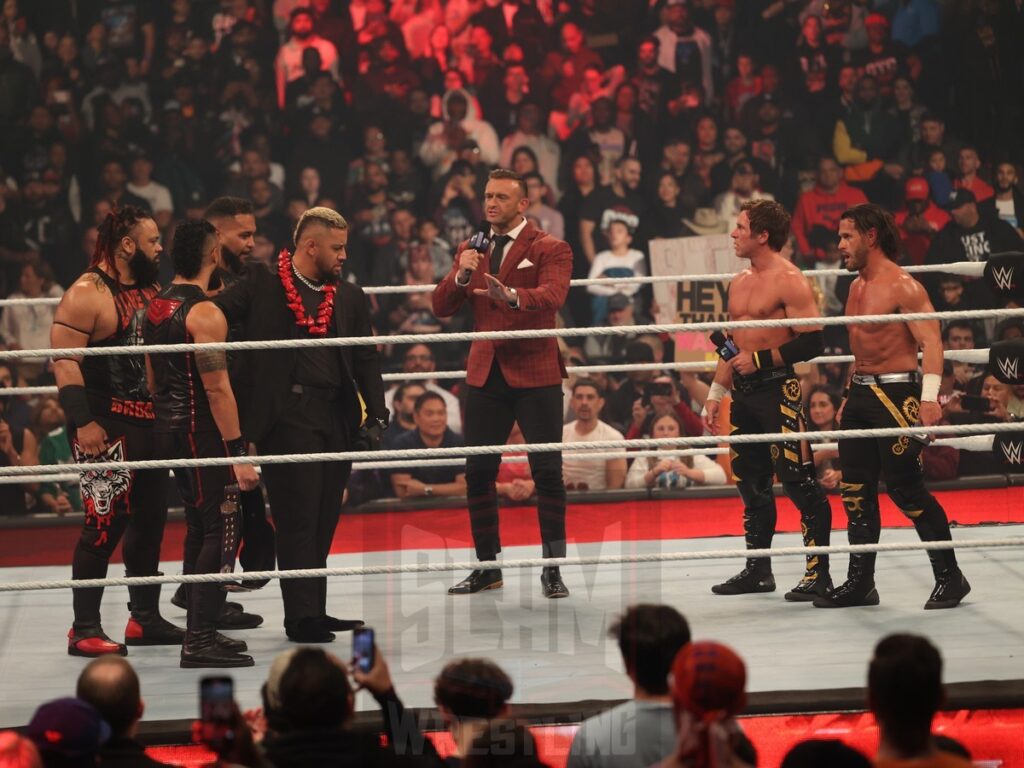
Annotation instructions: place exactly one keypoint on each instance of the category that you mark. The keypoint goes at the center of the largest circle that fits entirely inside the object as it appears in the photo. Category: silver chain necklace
(306, 282)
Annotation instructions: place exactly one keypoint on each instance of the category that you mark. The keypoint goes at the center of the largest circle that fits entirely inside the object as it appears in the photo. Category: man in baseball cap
(68, 731)
(920, 220)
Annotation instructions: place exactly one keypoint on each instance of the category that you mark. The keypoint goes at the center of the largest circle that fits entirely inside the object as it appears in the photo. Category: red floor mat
(622, 521)
(994, 737)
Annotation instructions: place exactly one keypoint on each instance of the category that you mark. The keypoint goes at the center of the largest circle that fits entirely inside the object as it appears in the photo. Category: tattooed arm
(207, 324)
(85, 312)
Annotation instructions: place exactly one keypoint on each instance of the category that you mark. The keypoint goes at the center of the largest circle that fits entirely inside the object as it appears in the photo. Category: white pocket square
(525, 263)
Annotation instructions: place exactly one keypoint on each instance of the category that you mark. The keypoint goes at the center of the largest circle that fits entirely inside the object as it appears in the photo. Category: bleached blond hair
(327, 217)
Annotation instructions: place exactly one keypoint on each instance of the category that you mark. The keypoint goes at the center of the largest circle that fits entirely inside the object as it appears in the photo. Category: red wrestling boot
(91, 642)
(146, 626)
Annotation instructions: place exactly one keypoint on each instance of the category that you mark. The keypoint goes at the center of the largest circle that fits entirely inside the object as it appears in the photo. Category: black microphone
(478, 242)
(725, 347)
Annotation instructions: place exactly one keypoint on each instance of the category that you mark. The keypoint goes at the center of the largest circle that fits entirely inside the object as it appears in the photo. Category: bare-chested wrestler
(767, 398)
(885, 391)
(110, 418)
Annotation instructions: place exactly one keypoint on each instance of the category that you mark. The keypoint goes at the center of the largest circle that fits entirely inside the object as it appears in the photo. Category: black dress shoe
(309, 630)
(950, 588)
(478, 581)
(332, 624)
(551, 583)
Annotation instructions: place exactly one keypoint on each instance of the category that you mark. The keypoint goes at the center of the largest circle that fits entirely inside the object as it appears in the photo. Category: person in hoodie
(461, 123)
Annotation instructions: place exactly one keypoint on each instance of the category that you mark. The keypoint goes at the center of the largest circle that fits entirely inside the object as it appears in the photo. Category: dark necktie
(500, 241)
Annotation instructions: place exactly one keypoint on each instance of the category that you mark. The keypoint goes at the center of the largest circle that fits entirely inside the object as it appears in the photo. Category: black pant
(202, 490)
(305, 499)
(490, 412)
(897, 460)
(254, 509)
(120, 503)
(775, 405)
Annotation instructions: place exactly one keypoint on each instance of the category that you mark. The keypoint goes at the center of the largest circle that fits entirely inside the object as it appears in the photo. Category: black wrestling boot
(859, 588)
(232, 616)
(755, 577)
(202, 649)
(230, 644)
(478, 581)
(811, 586)
(146, 626)
(950, 588)
(91, 641)
(551, 583)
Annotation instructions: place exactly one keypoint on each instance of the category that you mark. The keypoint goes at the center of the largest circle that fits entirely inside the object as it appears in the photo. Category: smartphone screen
(362, 648)
(216, 700)
(975, 404)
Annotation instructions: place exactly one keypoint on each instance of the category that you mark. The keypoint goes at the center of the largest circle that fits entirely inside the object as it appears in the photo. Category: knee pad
(756, 493)
(911, 497)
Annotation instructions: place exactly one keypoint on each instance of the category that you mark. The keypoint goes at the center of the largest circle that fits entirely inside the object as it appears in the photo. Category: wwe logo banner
(1002, 273)
(1006, 360)
(1010, 447)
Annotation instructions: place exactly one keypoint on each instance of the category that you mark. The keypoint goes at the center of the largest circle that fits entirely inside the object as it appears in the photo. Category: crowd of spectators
(683, 711)
(630, 121)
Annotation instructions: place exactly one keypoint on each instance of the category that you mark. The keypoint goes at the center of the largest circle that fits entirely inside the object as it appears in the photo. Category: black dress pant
(120, 503)
(490, 412)
(202, 490)
(305, 499)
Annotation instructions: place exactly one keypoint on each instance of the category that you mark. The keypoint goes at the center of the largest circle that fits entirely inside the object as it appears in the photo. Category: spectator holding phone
(661, 396)
(991, 406)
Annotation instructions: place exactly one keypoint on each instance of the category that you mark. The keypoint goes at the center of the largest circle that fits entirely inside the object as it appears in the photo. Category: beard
(144, 271)
(1003, 190)
(232, 261)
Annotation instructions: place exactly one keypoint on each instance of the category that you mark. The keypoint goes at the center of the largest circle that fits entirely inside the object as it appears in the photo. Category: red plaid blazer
(539, 267)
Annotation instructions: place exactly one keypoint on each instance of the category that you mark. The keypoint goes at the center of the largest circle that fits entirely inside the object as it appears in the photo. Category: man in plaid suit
(519, 283)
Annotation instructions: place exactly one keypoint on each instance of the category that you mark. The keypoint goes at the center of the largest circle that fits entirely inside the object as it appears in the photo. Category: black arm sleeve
(804, 346)
(403, 731)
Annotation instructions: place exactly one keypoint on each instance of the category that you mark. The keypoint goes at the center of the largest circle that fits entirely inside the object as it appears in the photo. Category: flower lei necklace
(317, 326)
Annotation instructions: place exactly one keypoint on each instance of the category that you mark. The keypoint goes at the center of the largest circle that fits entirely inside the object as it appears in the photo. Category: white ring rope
(958, 355)
(432, 338)
(375, 570)
(492, 450)
(971, 443)
(967, 268)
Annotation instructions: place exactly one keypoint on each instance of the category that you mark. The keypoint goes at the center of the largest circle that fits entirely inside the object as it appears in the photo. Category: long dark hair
(868, 216)
(118, 224)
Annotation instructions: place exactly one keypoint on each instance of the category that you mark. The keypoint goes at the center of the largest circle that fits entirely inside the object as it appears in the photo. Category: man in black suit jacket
(307, 400)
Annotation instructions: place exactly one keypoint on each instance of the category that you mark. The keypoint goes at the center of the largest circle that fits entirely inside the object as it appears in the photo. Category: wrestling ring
(393, 568)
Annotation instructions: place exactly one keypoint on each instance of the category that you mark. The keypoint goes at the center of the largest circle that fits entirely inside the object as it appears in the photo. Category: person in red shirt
(821, 206)
(919, 220)
(969, 163)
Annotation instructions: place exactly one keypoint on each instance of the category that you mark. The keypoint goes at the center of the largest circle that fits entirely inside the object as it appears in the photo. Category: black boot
(146, 626)
(202, 649)
(551, 583)
(816, 529)
(759, 516)
(950, 588)
(230, 644)
(859, 588)
(755, 577)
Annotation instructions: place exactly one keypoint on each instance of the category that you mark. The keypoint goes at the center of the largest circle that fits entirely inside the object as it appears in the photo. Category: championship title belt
(230, 530)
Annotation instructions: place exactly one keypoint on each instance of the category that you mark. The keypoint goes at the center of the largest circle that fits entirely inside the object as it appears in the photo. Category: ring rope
(958, 355)
(968, 268)
(538, 562)
(541, 333)
(491, 450)
(971, 443)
